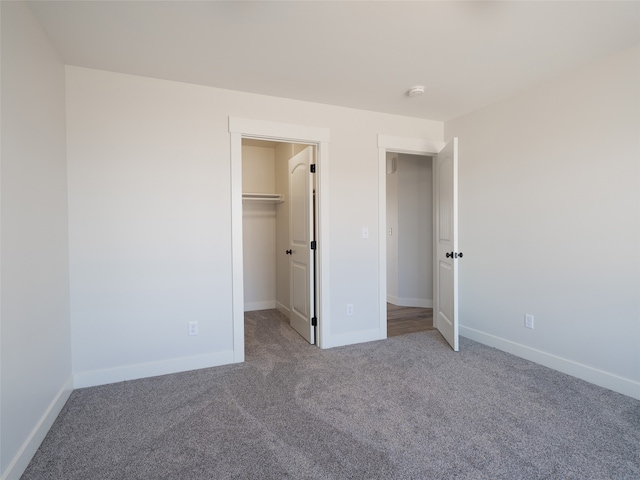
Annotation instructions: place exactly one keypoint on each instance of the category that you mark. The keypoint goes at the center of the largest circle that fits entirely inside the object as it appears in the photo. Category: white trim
(410, 302)
(151, 369)
(353, 338)
(237, 273)
(324, 292)
(278, 131)
(2, 477)
(19, 463)
(414, 146)
(283, 309)
(589, 374)
(265, 305)
(248, 128)
(382, 240)
(388, 143)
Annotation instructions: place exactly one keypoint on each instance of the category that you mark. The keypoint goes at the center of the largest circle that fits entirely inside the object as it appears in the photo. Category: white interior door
(446, 240)
(300, 237)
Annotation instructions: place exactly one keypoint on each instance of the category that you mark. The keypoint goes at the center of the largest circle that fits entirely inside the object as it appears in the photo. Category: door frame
(391, 144)
(240, 128)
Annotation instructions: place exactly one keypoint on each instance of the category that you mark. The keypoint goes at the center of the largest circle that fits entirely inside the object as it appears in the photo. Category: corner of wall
(584, 372)
(30, 446)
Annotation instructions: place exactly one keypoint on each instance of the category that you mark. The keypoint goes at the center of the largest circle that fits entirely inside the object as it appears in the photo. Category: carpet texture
(404, 408)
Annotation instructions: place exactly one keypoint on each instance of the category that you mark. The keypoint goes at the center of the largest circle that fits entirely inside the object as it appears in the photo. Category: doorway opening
(279, 225)
(445, 228)
(318, 138)
(409, 211)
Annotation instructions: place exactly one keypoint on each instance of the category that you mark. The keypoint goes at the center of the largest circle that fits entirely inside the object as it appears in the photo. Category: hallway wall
(410, 245)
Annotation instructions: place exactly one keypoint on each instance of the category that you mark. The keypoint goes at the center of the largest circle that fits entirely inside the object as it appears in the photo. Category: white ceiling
(358, 54)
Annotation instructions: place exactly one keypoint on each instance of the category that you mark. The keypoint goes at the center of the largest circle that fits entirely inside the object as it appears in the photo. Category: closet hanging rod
(263, 197)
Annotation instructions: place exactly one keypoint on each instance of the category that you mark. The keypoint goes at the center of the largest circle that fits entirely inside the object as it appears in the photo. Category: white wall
(550, 223)
(258, 169)
(150, 216)
(35, 345)
(415, 231)
(259, 229)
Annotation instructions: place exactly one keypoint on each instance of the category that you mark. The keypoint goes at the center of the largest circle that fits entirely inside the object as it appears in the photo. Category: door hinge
(313, 245)
(313, 168)
(314, 321)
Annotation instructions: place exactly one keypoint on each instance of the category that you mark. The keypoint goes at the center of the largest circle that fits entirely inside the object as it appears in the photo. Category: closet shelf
(263, 197)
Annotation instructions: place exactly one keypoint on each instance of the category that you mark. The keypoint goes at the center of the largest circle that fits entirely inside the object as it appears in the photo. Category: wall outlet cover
(528, 321)
(193, 328)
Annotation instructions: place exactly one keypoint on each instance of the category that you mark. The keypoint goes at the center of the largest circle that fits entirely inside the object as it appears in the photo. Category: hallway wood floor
(403, 320)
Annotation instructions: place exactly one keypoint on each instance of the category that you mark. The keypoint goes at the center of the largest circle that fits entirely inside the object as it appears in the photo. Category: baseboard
(353, 338)
(409, 302)
(266, 305)
(589, 374)
(286, 311)
(151, 369)
(18, 465)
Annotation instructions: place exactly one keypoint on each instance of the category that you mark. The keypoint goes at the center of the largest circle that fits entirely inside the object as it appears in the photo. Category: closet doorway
(279, 223)
(319, 138)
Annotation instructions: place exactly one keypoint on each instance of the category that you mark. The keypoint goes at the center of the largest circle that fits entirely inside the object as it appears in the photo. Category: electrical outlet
(365, 232)
(193, 328)
(350, 309)
(528, 321)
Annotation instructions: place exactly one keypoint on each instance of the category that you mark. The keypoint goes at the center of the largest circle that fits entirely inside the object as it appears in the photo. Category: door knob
(289, 252)
(454, 255)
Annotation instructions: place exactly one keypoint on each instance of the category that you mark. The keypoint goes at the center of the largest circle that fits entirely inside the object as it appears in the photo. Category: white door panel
(446, 237)
(300, 237)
